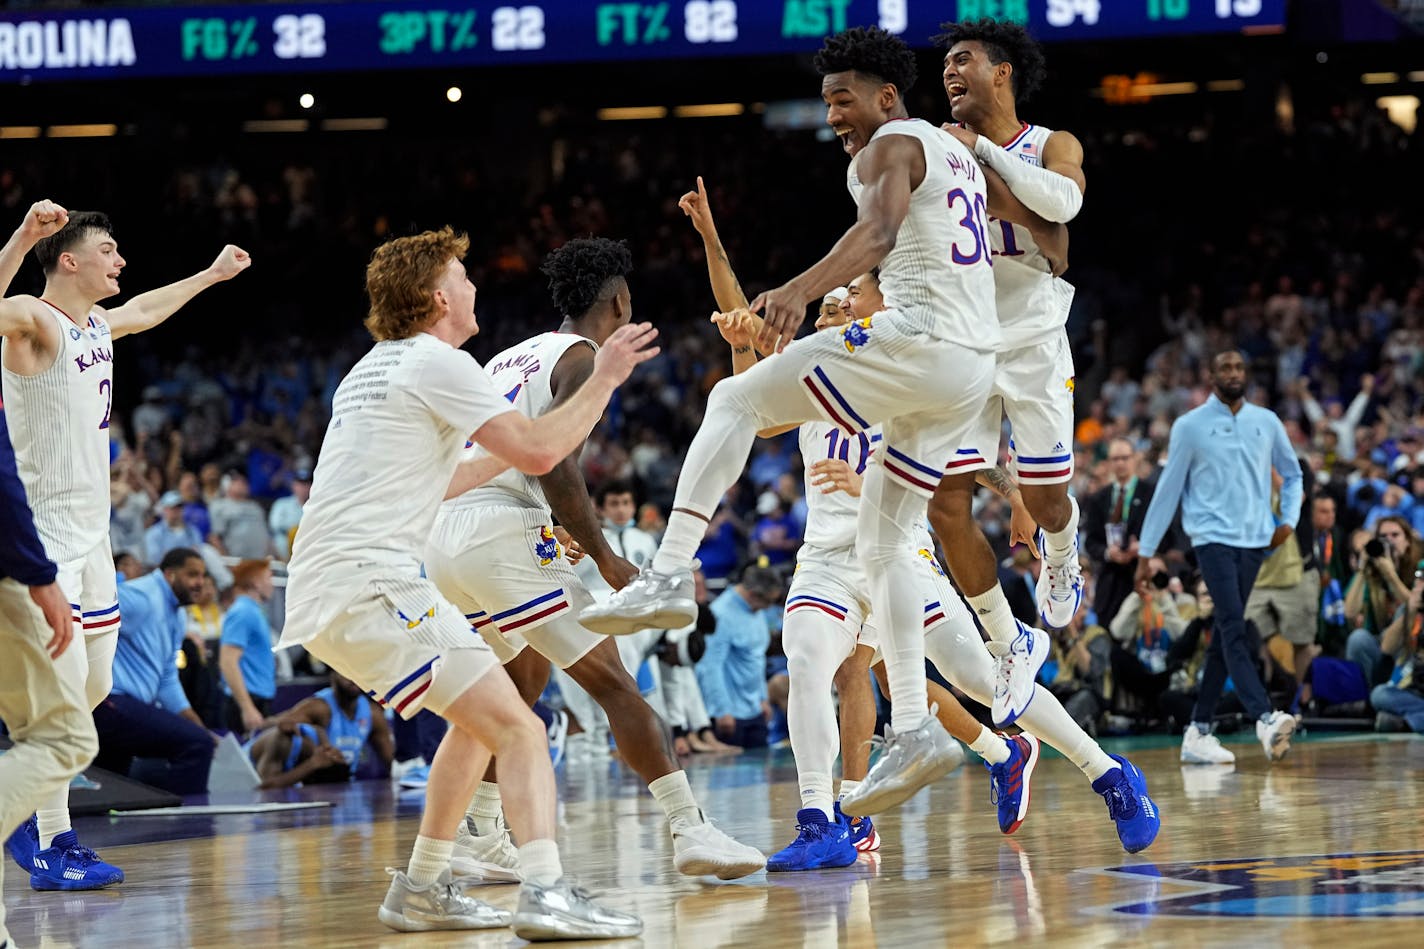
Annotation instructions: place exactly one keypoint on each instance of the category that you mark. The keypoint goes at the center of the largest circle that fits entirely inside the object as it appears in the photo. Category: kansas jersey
(1033, 304)
(831, 518)
(59, 425)
(939, 273)
(522, 373)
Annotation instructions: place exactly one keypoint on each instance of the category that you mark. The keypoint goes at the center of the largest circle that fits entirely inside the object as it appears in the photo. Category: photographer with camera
(1143, 632)
(1376, 592)
(1400, 702)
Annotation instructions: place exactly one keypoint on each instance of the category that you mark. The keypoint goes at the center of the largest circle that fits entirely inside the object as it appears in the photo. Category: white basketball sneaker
(1199, 747)
(1275, 734)
(703, 850)
(491, 858)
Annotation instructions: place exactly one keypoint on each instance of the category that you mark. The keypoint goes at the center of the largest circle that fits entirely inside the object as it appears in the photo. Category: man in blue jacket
(47, 717)
(147, 715)
(1219, 462)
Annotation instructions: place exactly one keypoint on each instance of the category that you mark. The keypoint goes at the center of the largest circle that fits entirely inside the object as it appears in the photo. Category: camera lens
(1160, 580)
(1374, 547)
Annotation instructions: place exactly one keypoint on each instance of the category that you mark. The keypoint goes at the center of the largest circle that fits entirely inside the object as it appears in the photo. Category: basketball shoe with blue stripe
(1009, 781)
(819, 844)
(863, 836)
(65, 865)
(1125, 790)
(23, 843)
(1016, 666)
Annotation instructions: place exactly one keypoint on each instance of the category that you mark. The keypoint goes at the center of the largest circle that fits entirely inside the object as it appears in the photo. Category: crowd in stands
(219, 419)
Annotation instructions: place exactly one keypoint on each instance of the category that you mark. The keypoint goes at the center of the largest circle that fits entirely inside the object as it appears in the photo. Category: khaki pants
(48, 717)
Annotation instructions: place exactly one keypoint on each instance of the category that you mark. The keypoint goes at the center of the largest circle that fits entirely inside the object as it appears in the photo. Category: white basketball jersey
(940, 273)
(59, 425)
(1033, 304)
(522, 373)
(831, 518)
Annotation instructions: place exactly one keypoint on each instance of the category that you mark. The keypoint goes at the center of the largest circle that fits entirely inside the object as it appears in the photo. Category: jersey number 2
(106, 389)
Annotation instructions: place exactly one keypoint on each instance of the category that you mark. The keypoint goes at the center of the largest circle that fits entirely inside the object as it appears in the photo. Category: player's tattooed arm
(725, 286)
(998, 480)
(1022, 527)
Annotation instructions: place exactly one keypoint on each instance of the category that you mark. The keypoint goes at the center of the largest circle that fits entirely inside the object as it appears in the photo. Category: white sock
(680, 541)
(539, 862)
(485, 809)
(846, 788)
(674, 796)
(994, 614)
(429, 858)
(1059, 544)
(991, 747)
(816, 792)
(52, 822)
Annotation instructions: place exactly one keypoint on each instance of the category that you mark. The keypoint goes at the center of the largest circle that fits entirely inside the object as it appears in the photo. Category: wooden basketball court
(1325, 848)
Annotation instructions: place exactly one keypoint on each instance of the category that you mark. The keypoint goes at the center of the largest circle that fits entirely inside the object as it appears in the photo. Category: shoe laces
(81, 854)
(1121, 800)
(813, 830)
(999, 781)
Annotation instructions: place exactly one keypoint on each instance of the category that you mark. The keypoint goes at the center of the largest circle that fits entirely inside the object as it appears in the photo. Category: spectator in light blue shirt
(147, 716)
(248, 669)
(1219, 462)
(170, 530)
(732, 673)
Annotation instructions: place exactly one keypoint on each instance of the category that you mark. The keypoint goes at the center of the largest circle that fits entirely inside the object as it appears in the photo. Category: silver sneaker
(909, 762)
(487, 858)
(440, 905)
(652, 601)
(703, 850)
(564, 911)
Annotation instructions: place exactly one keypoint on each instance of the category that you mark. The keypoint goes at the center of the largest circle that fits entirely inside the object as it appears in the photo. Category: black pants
(130, 729)
(750, 733)
(232, 713)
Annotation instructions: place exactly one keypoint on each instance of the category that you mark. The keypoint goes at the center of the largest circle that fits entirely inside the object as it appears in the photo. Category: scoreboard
(112, 41)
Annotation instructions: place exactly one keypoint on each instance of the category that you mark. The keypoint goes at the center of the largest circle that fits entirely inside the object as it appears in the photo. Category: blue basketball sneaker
(1060, 593)
(863, 836)
(1009, 781)
(23, 843)
(65, 865)
(819, 844)
(1125, 790)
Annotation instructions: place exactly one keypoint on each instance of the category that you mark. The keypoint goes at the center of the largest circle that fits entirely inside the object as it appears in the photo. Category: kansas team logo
(420, 618)
(546, 548)
(856, 334)
(928, 554)
(1333, 885)
(1071, 384)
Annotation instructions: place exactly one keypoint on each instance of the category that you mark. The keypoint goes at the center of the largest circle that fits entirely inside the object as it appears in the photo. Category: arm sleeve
(1046, 193)
(1312, 408)
(1168, 493)
(22, 555)
(1292, 484)
(459, 391)
(171, 697)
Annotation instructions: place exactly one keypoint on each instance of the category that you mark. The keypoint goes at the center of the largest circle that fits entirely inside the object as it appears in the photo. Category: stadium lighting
(624, 113)
(710, 110)
(1379, 78)
(454, 94)
(307, 100)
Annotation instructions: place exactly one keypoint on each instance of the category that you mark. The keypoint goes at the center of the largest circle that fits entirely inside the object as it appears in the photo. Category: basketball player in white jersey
(57, 359)
(357, 601)
(988, 67)
(493, 554)
(826, 616)
(923, 369)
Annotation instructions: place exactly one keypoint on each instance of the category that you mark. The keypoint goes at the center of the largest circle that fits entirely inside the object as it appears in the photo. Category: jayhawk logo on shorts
(1071, 384)
(928, 554)
(856, 334)
(546, 548)
(413, 623)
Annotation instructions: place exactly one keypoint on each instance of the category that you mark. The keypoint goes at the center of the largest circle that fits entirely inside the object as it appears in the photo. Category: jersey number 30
(973, 222)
